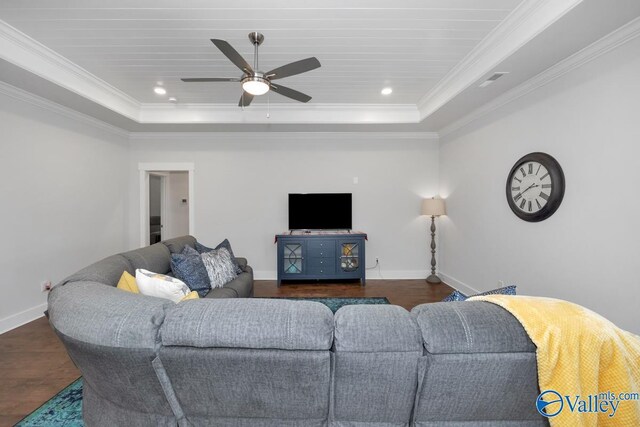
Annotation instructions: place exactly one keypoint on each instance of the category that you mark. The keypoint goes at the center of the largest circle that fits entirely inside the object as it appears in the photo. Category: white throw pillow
(220, 268)
(160, 285)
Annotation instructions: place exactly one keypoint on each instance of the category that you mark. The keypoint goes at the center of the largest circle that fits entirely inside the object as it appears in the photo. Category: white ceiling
(363, 46)
(103, 58)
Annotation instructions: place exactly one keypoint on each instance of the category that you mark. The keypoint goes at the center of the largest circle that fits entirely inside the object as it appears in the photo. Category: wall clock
(535, 187)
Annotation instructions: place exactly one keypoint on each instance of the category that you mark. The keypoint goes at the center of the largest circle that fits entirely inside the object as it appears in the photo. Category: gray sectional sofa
(273, 363)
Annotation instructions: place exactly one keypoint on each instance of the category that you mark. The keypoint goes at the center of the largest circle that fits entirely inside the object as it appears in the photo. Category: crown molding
(600, 47)
(22, 95)
(280, 113)
(31, 55)
(34, 57)
(525, 22)
(280, 136)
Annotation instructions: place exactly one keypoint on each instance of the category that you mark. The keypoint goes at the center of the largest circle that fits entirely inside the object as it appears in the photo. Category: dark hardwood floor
(34, 365)
(405, 293)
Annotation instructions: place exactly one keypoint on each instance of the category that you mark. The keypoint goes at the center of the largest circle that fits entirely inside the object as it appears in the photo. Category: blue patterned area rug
(335, 303)
(65, 408)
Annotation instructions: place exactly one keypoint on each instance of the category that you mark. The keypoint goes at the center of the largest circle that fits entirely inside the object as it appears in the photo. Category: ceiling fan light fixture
(255, 85)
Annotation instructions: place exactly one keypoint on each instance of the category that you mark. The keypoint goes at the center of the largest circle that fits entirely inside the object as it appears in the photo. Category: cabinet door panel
(293, 258)
(349, 252)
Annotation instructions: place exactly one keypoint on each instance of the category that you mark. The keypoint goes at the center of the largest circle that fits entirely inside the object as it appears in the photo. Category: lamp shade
(433, 207)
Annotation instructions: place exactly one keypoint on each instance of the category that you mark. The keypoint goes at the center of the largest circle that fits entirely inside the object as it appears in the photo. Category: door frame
(144, 170)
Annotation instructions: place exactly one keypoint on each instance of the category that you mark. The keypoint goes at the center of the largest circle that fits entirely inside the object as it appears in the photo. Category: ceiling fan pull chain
(269, 105)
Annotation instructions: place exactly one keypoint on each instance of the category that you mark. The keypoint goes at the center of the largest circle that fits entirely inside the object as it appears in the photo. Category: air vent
(493, 78)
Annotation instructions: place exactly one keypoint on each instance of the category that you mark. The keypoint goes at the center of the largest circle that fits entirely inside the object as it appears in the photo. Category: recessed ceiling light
(386, 91)
(172, 99)
(160, 90)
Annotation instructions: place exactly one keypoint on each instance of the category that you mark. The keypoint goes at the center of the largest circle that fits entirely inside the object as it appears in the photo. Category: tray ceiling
(363, 46)
(104, 58)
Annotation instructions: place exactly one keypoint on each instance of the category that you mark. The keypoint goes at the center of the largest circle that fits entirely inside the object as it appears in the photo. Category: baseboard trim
(396, 274)
(371, 275)
(19, 319)
(457, 284)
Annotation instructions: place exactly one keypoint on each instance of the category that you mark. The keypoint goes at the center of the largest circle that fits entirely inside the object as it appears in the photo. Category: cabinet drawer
(321, 266)
(321, 248)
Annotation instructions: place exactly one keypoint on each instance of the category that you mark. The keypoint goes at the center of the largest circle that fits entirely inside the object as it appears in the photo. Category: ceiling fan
(255, 82)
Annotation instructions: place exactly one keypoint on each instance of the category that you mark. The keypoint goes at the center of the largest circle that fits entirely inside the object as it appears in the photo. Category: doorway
(166, 201)
(157, 206)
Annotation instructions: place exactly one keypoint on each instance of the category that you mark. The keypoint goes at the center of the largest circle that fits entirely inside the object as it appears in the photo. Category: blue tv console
(321, 255)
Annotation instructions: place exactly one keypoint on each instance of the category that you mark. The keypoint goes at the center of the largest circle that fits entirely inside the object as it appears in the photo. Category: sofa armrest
(470, 327)
(103, 315)
(242, 262)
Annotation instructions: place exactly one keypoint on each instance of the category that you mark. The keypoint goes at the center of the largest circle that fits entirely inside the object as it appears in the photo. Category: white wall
(177, 221)
(589, 251)
(63, 187)
(155, 195)
(241, 182)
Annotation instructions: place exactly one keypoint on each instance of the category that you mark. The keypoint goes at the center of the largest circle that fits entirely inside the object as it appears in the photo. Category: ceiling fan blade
(294, 68)
(233, 55)
(210, 79)
(245, 99)
(290, 93)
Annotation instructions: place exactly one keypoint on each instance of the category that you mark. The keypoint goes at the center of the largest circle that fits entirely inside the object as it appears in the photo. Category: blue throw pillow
(455, 296)
(188, 267)
(224, 244)
(459, 296)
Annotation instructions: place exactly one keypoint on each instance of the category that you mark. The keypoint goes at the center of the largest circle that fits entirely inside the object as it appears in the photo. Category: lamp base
(433, 279)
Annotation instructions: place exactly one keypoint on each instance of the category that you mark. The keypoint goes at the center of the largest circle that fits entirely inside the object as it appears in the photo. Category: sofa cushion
(249, 323)
(376, 328)
(242, 262)
(222, 293)
(154, 258)
(243, 285)
(470, 327)
(106, 271)
(177, 244)
(189, 268)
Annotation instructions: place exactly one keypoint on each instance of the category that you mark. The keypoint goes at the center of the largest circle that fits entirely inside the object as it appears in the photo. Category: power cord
(377, 265)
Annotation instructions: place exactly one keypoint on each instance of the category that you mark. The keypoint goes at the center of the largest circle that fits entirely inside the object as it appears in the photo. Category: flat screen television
(320, 211)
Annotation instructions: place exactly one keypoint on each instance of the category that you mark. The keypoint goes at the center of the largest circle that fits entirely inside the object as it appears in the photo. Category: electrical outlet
(45, 286)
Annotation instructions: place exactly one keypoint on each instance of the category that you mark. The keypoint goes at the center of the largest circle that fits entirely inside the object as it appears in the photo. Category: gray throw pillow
(219, 267)
(224, 244)
(188, 267)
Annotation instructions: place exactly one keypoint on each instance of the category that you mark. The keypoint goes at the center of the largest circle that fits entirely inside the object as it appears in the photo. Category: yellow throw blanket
(580, 353)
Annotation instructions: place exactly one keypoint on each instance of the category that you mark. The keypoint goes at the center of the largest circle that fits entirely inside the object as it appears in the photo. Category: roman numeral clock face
(535, 187)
